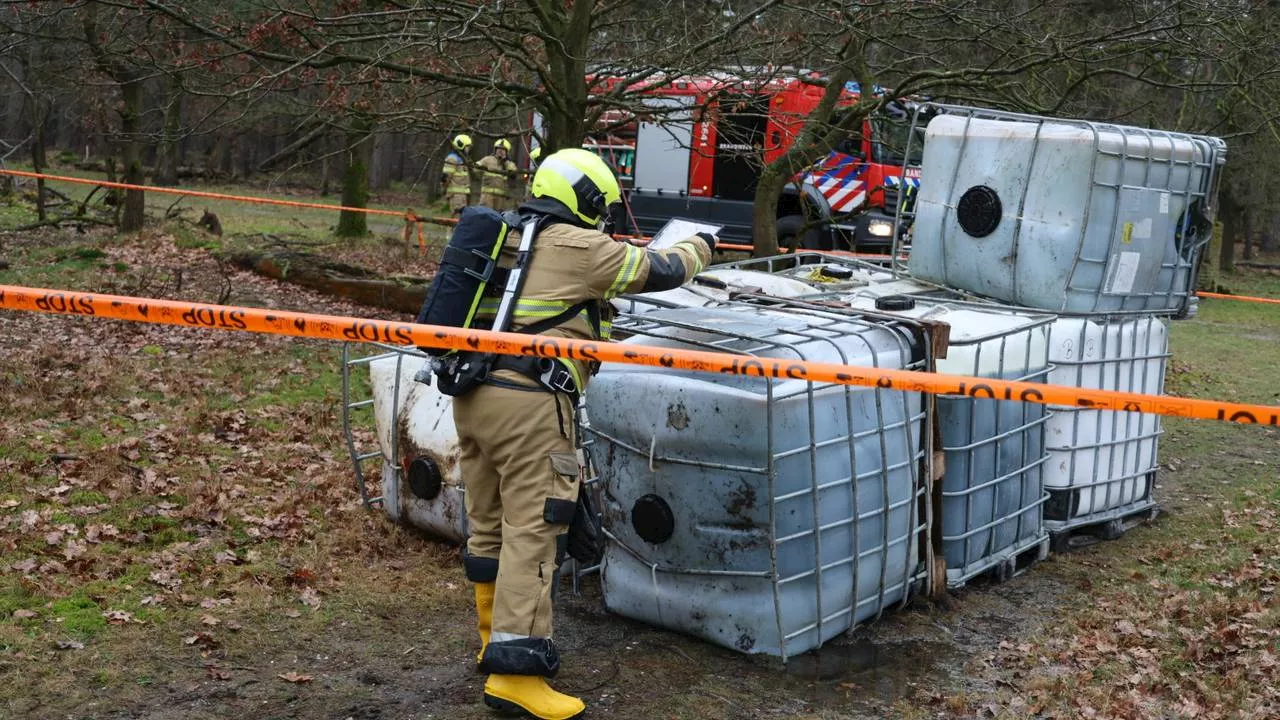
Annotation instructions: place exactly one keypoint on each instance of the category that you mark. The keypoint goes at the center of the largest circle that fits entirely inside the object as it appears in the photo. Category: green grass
(54, 267)
(80, 616)
(235, 216)
(1212, 550)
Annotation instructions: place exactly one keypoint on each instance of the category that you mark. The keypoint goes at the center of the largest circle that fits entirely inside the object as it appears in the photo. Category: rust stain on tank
(677, 416)
(409, 450)
(741, 500)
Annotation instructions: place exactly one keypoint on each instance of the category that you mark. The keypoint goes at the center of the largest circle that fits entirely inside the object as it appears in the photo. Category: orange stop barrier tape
(1245, 298)
(205, 194)
(334, 327)
(409, 216)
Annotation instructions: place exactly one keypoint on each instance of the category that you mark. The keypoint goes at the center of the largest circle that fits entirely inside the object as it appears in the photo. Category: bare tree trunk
(324, 175)
(764, 214)
(355, 179)
(401, 150)
(566, 114)
(35, 111)
(170, 152)
(1230, 227)
(227, 161)
(131, 220)
(130, 80)
(1248, 234)
(380, 162)
(816, 138)
(38, 157)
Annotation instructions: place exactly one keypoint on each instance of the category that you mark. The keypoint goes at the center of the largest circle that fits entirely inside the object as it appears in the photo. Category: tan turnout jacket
(572, 264)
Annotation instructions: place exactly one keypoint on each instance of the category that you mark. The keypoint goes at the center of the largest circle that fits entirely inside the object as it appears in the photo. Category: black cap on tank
(979, 211)
(895, 302)
(653, 520)
(424, 478)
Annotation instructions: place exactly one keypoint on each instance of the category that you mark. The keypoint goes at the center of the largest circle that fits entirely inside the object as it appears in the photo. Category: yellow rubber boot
(484, 614)
(529, 695)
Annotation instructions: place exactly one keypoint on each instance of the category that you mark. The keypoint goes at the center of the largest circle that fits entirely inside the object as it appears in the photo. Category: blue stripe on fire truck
(896, 180)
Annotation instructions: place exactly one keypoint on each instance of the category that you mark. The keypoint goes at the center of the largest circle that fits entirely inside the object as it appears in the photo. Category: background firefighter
(496, 173)
(456, 174)
(517, 435)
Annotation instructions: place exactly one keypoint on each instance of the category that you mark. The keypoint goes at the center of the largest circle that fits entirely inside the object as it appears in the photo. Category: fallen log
(1257, 265)
(403, 294)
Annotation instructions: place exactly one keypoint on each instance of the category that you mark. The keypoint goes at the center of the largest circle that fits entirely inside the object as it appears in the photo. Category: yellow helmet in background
(535, 153)
(502, 144)
(579, 180)
(462, 141)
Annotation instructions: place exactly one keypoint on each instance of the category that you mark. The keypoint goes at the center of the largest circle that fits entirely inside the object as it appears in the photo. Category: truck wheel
(789, 226)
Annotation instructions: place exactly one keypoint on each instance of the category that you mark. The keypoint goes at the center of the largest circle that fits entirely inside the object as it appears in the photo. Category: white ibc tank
(1102, 463)
(764, 515)
(1066, 216)
(712, 287)
(992, 489)
(421, 479)
(829, 275)
(819, 272)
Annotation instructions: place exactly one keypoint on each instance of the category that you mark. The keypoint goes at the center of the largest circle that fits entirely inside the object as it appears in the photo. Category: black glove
(709, 239)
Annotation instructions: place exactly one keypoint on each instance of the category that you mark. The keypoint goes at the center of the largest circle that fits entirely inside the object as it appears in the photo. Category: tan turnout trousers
(518, 457)
(514, 458)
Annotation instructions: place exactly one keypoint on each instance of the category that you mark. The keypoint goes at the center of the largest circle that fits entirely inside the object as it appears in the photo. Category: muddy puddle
(629, 669)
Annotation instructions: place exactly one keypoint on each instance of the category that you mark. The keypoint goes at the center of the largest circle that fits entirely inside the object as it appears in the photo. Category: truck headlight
(880, 228)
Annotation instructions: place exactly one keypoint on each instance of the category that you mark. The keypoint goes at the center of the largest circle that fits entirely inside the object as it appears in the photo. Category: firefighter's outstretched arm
(619, 268)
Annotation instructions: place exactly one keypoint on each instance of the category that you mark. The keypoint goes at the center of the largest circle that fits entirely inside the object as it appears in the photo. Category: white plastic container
(713, 286)
(768, 516)
(819, 272)
(421, 478)
(1102, 463)
(1063, 215)
(992, 489)
(422, 484)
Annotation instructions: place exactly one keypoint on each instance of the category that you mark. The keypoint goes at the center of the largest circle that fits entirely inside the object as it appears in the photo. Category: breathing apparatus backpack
(467, 268)
(470, 271)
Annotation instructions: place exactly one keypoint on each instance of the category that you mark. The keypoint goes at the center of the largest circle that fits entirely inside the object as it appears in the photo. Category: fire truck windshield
(889, 142)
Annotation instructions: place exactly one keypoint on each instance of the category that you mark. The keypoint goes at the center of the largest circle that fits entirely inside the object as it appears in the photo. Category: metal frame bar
(1140, 147)
(823, 325)
(1134, 366)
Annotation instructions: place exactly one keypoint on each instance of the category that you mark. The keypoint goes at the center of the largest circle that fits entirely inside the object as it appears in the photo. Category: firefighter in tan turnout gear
(516, 430)
(456, 175)
(496, 174)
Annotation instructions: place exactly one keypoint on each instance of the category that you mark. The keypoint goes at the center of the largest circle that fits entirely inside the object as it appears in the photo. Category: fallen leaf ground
(180, 537)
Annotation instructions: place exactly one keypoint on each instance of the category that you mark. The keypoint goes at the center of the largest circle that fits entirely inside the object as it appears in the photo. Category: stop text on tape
(333, 327)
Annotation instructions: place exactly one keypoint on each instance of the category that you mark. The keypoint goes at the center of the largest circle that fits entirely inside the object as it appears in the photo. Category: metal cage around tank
(1102, 464)
(992, 493)
(421, 485)
(418, 489)
(766, 515)
(1059, 214)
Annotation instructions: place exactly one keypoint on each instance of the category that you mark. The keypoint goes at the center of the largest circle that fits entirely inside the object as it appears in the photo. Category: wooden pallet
(1010, 567)
(1087, 533)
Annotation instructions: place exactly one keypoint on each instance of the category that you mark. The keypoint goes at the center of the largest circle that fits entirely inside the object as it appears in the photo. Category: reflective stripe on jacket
(455, 168)
(572, 264)
(495, 174)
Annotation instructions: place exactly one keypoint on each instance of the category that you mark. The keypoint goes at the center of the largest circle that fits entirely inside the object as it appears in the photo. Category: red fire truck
(699, 153)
